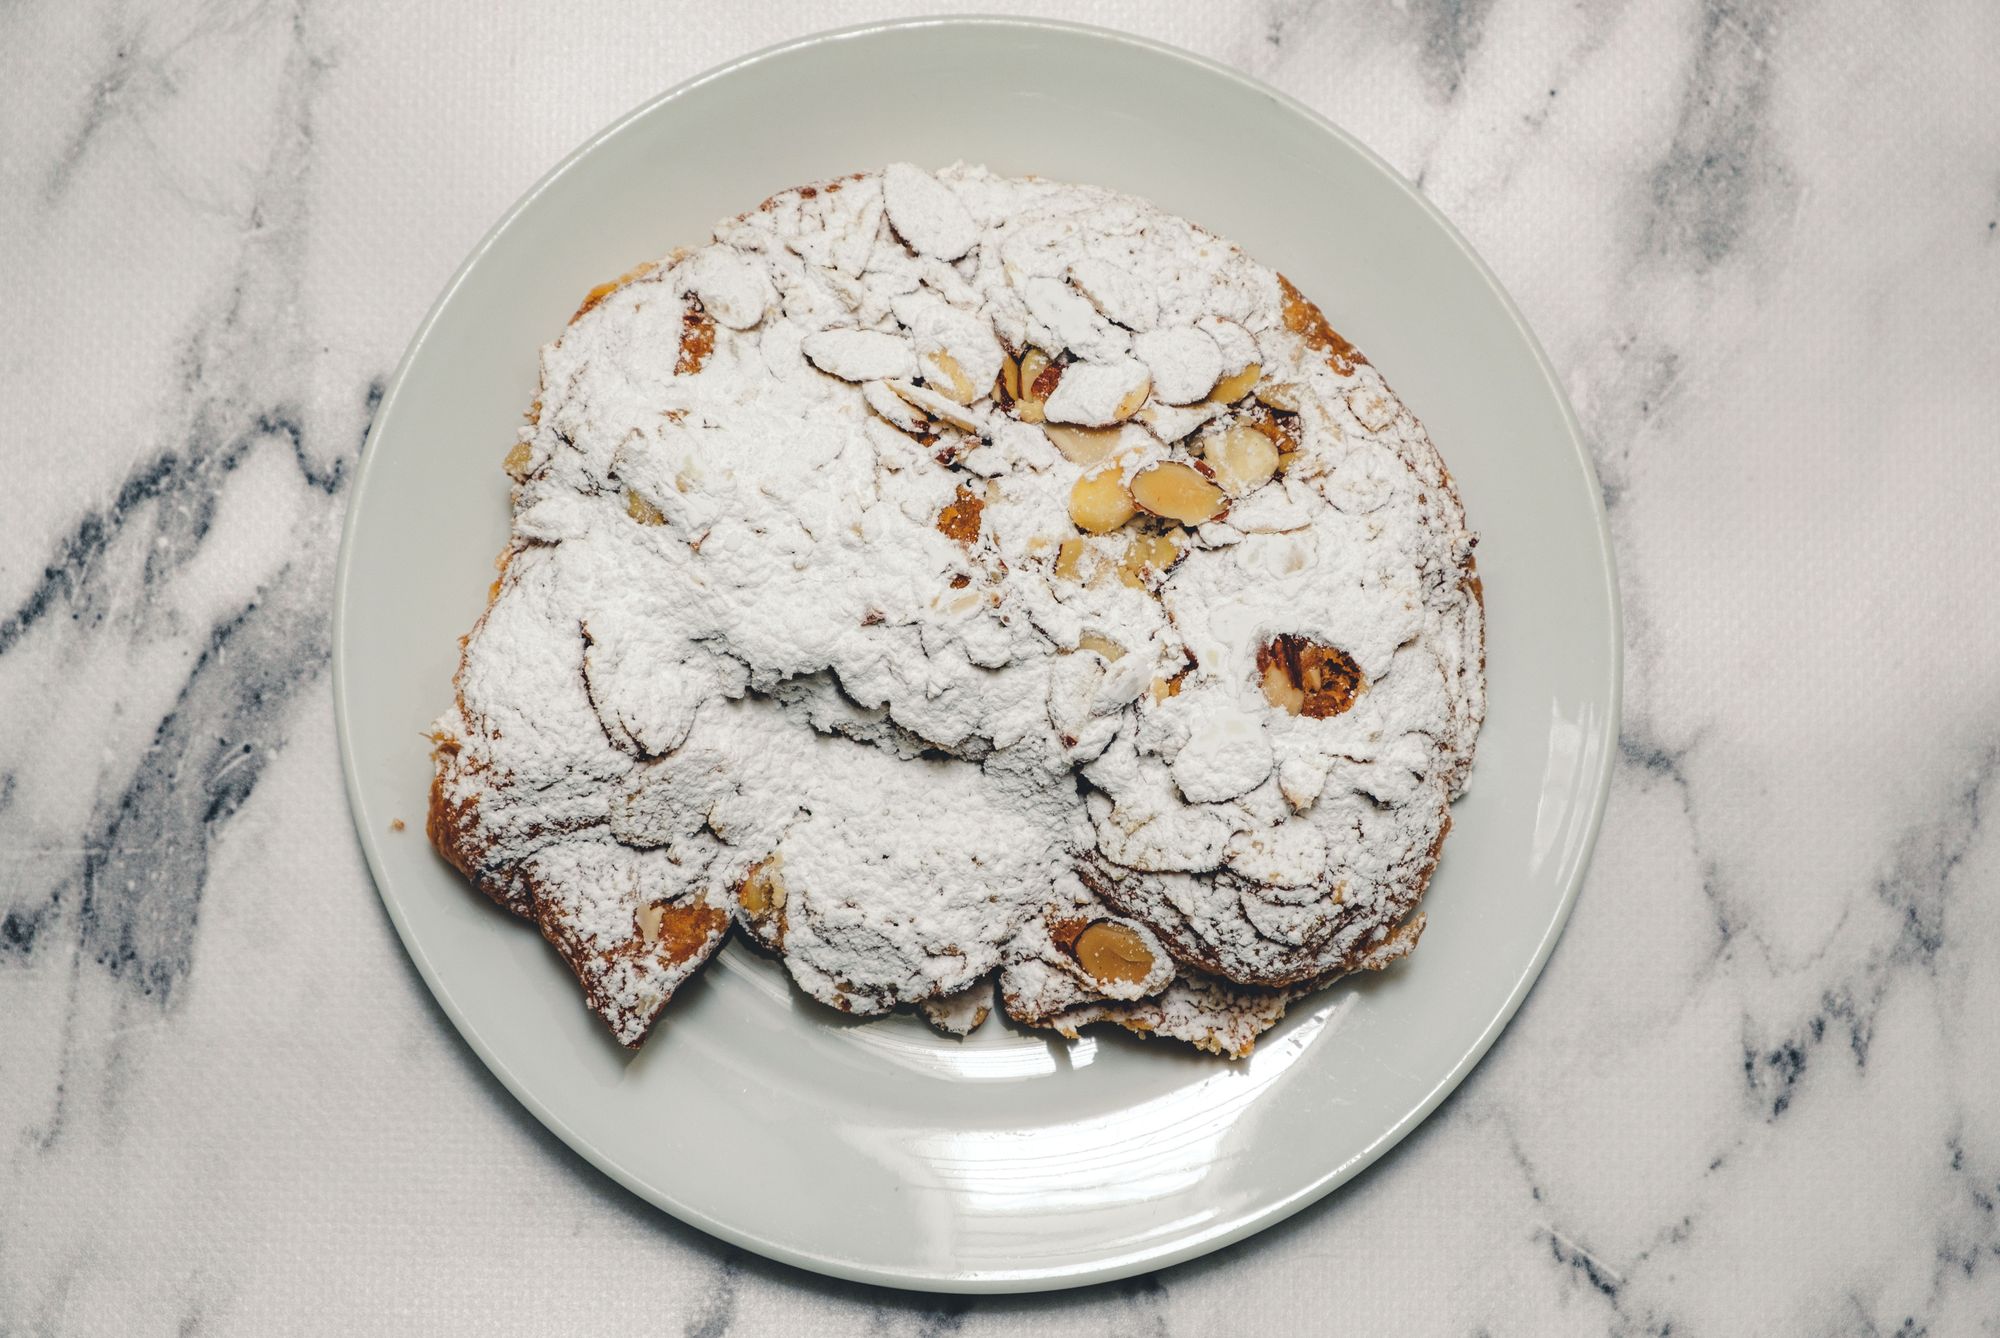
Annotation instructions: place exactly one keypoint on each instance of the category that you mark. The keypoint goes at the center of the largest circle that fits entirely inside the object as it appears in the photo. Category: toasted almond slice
(1135, 399)
(1031, 404)
(860, 355)
(1178, 492)
(942, 372)
(1084, 446)
(1171, 424)
(1103, 645)
(1233, 388)
(1099, 502)
(1284, 395)
(894, 409)
(939, 407)
(1372, 406)
(642, 510)
(1242, 457)
(732, 287)
(1096, 394)
(1118, 294)
(517, 461)
(1281, 692)
(1112, 953)
(958, 352)
(1305, 677)
(763, 889)
(926, 213)
(1185, 362)
(1070, 321)
(1069, 559)
(1281, 428)
(1150, 555)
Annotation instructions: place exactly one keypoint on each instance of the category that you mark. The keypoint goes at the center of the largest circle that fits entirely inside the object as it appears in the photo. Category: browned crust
(959, 521)
(686, 930)
(452, 824)
(682, 934)
(604, 290)
(1308, 322)
(697, 338)
(831, 186)
(690, 932)
(1147, 1018)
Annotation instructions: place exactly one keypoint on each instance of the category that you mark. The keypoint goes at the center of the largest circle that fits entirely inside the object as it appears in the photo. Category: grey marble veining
(1758, 1088)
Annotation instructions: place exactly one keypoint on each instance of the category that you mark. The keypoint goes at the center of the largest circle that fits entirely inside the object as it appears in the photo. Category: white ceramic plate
(876, 1150)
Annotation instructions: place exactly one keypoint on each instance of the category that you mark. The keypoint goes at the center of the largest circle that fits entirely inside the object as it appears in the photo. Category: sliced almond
(860, 355)
(763, 890)
(1171, 424)
(1281, 692)
(1285, 395)
(1069, 321)
(1233, 388)
(1099, 503)
(1242, 457)
(1084, 446)
(1069, 559)
(955, 605)
(894, 409)
(1031, 403)
(1282, 428)
(937, 406)
(1177, 492)
(1112, 953)
(1150, 555)
(1084, 561)
(942, 373)
(650, 917)
(1103, 645)
(1185, 362)
(1135, 399)
(1096, 394)
(1119, 295)
(1010, 378)
(1372, 406)
(516, 463)
(642, 510)
(732, 287)
(958, 352)
(926, 213)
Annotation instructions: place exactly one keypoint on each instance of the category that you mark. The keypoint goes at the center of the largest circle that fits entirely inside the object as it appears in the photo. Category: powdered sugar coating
(803, 608)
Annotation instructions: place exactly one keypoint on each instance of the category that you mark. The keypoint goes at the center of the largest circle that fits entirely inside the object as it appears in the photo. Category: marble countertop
(1758, 1088)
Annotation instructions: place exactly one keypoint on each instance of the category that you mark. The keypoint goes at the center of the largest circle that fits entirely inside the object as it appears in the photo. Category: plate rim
(1181, 1249)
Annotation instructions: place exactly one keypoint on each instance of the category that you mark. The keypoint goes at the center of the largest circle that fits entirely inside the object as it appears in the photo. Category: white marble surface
(1758, 1089)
